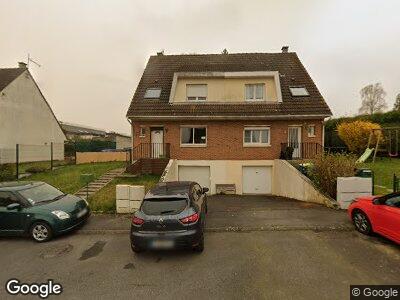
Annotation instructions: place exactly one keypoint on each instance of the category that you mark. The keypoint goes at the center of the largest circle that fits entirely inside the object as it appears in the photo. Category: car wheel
(136, 249)
(41, 232)
(200, 247)
(362, 223)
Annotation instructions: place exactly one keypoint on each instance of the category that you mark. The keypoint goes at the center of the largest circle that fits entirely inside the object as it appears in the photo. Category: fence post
(51, 156)
(373, 182)
(75, 150)
(17, 160)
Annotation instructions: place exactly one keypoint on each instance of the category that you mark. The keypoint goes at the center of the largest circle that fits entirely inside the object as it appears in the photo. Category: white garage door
(257, 180)
(201, 175)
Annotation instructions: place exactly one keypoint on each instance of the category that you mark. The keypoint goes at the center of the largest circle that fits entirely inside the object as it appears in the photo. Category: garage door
(257, 180)
(201, 175)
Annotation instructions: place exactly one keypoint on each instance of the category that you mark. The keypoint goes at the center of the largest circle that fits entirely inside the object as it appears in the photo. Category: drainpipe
(132, 134)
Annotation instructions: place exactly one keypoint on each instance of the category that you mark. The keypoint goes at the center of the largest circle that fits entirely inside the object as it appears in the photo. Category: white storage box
(136, 192)
(134, 205)
(128, 198)
(123, 206)
(349, 188)
(122, 192)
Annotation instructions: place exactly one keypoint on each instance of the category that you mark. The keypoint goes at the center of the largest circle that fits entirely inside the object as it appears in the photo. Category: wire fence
(23, 158)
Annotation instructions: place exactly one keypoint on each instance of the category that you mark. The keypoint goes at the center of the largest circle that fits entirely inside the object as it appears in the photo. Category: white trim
(249, 74)
(254, 86)
(197, 97)
(268, 144)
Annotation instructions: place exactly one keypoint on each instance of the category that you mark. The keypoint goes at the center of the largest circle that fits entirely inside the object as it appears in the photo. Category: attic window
(298, 91)
(196, 92)
(153, 93)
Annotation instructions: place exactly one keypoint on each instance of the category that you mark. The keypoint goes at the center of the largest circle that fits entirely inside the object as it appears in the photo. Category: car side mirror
(205, 190)
(14, 206)
(376, 201)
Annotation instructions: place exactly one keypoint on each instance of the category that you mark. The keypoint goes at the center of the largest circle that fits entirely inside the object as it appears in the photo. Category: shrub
(327, 168)
(7, 172)
(356, 134)
(36, 169)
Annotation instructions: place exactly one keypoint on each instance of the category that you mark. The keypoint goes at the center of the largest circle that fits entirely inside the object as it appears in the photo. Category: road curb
(238, 229)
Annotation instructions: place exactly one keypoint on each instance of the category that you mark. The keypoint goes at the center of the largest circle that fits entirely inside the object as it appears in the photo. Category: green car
(39, 210)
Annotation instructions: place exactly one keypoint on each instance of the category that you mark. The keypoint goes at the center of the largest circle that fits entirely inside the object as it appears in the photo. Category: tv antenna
(31, 60)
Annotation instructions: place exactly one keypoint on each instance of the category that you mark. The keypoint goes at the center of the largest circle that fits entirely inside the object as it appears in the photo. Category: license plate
(81, 213)
(162, 244)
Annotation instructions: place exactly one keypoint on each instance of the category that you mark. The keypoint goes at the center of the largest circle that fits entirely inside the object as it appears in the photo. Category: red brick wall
(225, 138)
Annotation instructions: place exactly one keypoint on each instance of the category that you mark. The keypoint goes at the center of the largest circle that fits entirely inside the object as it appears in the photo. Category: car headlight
(62, 215)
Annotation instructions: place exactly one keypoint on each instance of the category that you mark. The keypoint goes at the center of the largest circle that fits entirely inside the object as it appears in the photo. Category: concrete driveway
(244, 213)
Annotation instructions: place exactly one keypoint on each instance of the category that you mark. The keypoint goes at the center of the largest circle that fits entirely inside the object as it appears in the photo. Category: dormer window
(255, 92)
(152, 93)
(196, 92)
(298, 91)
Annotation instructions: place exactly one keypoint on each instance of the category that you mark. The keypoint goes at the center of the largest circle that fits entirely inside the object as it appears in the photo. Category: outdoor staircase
(99, 183)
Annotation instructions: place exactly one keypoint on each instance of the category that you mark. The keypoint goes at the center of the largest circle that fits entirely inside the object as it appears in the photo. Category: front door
(294, 140)
(157, 142)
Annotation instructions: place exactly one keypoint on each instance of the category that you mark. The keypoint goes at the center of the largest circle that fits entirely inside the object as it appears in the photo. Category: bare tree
(373, 99)
(397, 103)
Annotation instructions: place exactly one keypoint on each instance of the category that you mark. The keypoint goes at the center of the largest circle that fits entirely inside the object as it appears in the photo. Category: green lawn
(104, 200)
(67, 178)
(384, 168)
(39, 164)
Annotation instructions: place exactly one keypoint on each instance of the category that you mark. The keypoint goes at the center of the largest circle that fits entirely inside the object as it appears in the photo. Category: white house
(26, 119)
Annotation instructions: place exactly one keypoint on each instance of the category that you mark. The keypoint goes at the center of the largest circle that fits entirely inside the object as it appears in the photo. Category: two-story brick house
(224, 118)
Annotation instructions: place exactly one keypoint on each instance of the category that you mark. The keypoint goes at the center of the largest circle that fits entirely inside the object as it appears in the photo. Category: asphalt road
(259, 265)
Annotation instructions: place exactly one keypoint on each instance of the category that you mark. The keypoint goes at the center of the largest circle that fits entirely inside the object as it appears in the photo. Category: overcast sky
(93, 52)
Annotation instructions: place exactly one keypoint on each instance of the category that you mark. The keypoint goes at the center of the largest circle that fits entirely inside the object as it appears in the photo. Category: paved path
(99, 183)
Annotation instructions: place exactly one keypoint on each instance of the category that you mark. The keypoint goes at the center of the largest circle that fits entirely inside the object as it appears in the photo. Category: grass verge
(67, 178)
(104, 200)
(383, 169)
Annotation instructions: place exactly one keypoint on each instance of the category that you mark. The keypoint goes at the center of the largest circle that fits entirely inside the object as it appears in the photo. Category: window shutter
(196, 90)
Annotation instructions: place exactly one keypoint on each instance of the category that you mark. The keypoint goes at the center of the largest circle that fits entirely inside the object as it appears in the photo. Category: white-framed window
(311, 130)
(193, 136)
(298, 91)
(152, 93)
(255, 92)
(257, 136)
(142, 132)
(196, 92)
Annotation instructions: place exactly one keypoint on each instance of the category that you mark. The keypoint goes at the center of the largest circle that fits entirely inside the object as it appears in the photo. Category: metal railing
(396, 183)
(151, 150)
(300, 150)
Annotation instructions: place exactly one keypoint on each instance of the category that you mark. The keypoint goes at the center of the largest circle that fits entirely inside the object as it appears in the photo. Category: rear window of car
(170, 206)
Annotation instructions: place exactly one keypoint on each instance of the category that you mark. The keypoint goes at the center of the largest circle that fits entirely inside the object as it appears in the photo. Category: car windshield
(41, 193)
(163, 206)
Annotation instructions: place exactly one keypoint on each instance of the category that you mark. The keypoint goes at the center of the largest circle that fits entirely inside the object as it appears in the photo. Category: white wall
(171, 171)
(26, 119)
(221, 171)
(289, 182)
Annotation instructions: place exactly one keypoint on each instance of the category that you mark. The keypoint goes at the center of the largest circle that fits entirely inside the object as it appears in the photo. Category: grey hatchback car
(172, 215)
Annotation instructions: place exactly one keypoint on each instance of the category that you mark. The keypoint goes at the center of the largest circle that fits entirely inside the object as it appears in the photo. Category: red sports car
(379, 214)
